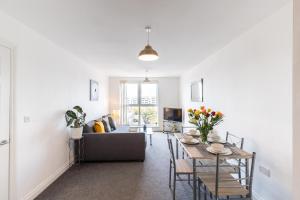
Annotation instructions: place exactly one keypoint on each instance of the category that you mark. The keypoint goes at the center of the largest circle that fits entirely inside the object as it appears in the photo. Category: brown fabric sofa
(119, 145)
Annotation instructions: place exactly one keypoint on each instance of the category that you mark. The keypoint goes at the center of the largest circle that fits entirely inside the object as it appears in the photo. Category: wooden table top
(198, 151)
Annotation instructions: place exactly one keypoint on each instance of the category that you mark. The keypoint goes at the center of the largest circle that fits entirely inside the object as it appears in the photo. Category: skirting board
(48, 181)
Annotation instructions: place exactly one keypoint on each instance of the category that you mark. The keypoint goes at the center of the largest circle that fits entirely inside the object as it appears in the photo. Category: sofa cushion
(99, 127)
(106, 126)
(112, 123)
(107, 122)
(87, 128)
(122, 129)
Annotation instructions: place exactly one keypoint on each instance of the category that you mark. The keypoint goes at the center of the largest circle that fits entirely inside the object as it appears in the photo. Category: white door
(4, 121)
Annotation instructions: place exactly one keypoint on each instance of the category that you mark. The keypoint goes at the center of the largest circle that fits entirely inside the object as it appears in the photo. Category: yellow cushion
(99, 127)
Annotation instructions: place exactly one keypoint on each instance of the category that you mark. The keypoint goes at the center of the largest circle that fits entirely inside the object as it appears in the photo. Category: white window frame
(139, 104)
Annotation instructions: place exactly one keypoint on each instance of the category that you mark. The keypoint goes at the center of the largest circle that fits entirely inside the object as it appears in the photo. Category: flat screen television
(173, 114)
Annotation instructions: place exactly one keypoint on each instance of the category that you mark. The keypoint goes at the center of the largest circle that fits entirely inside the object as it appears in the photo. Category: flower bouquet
(205, 120)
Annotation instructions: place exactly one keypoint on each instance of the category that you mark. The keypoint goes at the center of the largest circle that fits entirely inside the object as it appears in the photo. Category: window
(139, 104)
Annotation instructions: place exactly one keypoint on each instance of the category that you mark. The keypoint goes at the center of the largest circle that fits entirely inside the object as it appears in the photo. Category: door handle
(3, 142)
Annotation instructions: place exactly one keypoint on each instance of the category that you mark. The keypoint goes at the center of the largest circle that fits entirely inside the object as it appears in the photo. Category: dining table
(199, 152)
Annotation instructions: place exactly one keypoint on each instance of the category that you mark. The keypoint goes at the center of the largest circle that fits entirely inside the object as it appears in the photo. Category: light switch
(265, 171)
(26, 119)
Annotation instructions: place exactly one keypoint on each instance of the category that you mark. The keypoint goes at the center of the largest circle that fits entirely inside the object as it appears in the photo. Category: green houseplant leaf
(78, 108)
(69, 121)
(75, 118)
(76, 123)
(71, 114)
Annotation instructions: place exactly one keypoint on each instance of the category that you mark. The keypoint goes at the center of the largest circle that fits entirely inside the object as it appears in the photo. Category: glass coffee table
(148, 132)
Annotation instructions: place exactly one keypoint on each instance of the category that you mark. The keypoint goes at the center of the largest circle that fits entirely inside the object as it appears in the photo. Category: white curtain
(123, 101)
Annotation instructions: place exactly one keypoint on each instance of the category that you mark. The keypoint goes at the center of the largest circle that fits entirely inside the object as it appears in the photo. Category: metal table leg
(83, 152)
(176, 149)
(151, 139)
(69, 152)
(194, 180)
(247, 172)
(79, 156)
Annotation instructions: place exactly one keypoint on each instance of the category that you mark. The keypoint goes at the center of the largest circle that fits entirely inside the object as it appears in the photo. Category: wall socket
(264, 171)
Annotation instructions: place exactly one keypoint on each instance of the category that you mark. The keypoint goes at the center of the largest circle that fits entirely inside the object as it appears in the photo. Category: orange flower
(202, 107)
(219, 114)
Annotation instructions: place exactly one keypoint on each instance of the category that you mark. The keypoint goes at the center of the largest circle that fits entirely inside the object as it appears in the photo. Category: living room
(241, 56)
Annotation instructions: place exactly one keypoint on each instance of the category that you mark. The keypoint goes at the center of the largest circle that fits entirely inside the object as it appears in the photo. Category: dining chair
(235, 140)
(229, 168)
(180, 167)
(219, 184)
(234, 167)
(239, 143)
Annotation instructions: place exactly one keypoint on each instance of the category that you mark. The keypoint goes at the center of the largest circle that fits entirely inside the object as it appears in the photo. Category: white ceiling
(110, 33)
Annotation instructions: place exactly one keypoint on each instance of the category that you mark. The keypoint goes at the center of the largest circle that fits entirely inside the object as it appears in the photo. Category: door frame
(12, 147)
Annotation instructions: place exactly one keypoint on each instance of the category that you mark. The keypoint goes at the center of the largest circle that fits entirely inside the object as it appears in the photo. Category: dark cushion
(112, 123)
(106, 126)
(87, 128)
(105, 118)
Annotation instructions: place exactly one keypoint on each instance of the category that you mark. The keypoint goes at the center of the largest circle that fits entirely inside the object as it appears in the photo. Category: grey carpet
(120, 180)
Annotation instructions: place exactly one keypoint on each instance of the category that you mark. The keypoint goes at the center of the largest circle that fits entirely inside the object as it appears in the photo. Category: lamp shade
(116, 115)
(148, 54)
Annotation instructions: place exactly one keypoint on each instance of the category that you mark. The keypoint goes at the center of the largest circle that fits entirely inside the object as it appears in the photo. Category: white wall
(296, 101)
(250, 81)
(168, 91)
(48, 81)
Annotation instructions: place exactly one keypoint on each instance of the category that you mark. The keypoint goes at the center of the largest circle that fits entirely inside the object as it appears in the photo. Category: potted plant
(75, 119)
(205, 120)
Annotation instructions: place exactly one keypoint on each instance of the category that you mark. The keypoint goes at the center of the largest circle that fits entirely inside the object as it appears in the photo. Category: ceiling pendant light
(148, 54)
(146, 80)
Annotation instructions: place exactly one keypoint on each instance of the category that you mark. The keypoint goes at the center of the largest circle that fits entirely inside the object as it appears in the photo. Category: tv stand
(171, 127)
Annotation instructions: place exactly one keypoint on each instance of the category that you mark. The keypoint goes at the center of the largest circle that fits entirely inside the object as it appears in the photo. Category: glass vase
(203, 135)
